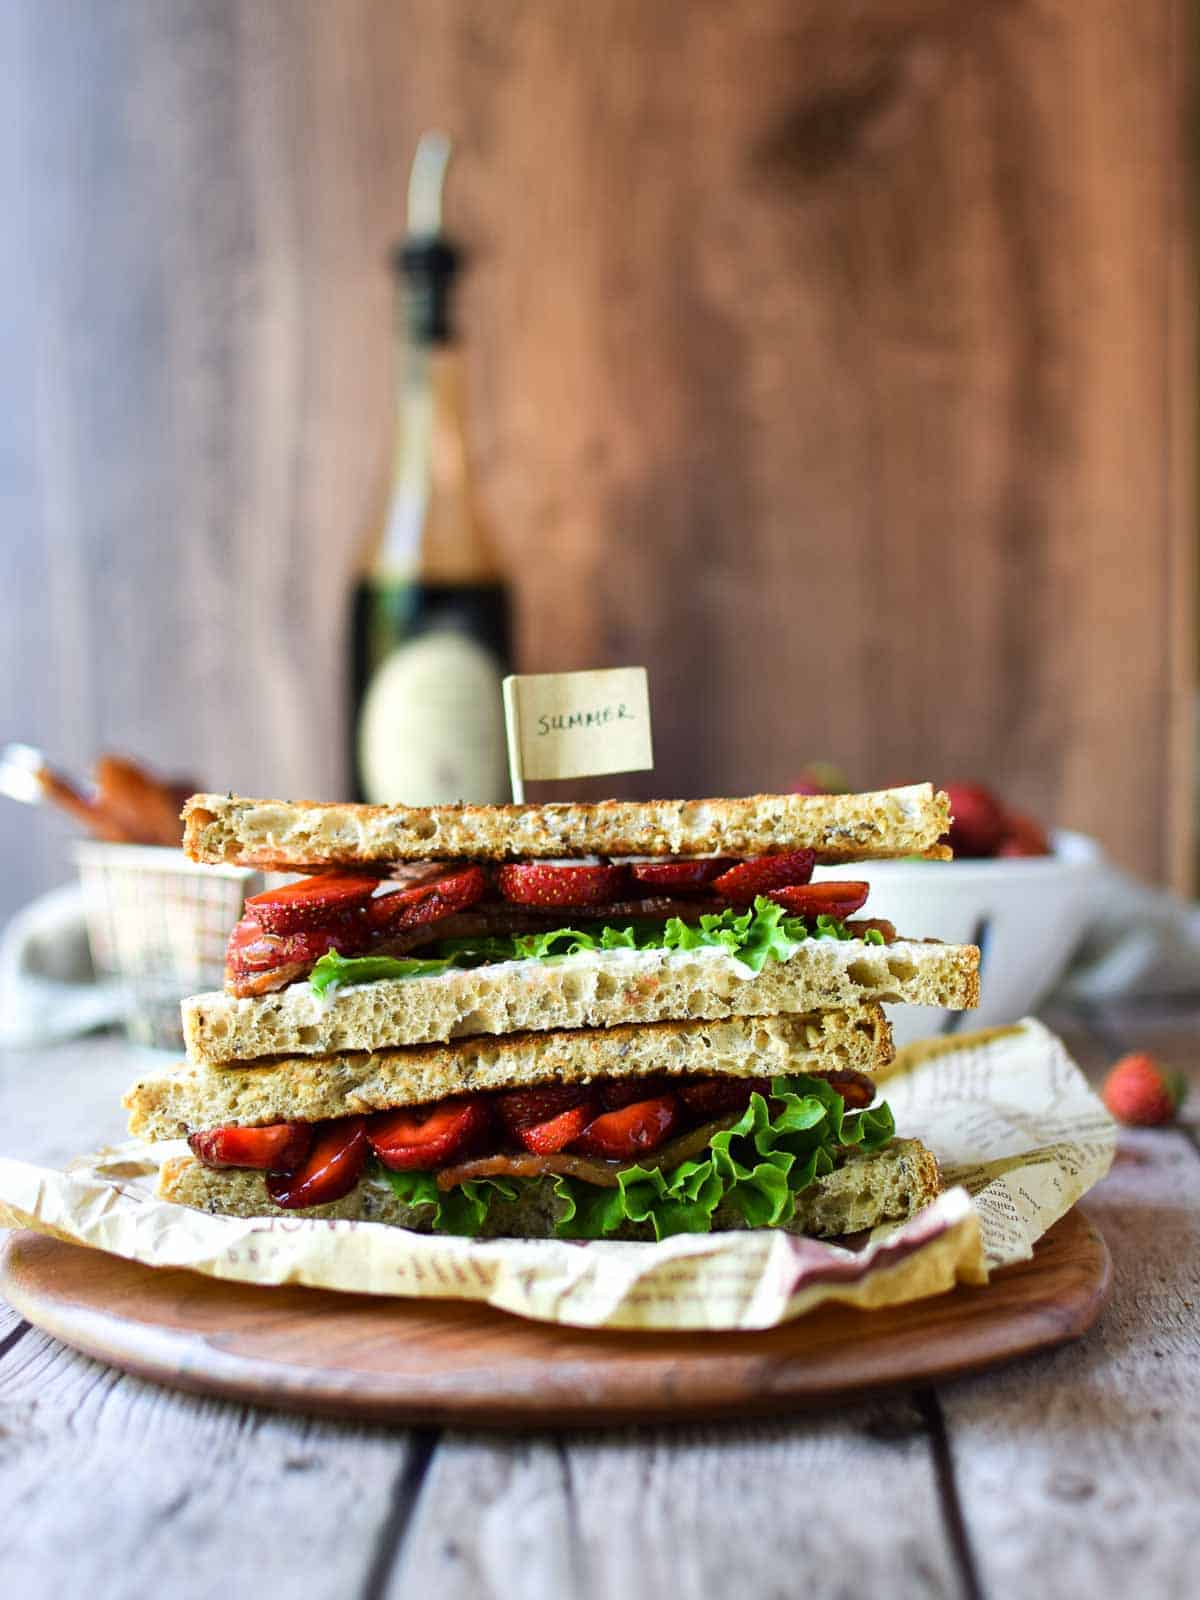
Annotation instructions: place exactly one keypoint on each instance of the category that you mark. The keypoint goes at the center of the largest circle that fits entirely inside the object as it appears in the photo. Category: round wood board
(445, 1361)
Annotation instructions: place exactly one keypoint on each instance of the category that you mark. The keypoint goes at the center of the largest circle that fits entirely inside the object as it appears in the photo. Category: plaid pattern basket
(158, 923)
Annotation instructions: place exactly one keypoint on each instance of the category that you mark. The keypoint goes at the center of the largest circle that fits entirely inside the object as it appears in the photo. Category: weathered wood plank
(872, 303)
(150, 1490)
(1077, 1470)
(846, 1505)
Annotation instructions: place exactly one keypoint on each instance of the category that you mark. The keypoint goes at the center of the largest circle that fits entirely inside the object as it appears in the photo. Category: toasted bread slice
(171, 1104)
(281, 835)
(595, 990)
(887, 1185)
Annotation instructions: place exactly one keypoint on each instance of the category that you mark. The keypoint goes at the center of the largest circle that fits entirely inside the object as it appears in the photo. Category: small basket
(158, 924)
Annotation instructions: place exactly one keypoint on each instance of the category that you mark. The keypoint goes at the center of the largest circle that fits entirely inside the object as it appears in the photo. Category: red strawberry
(633, 1131)
(618, 1092)
(523, 1108)
(1137, 1091)
(255, 958)
(835, 899)
(393, 911)
(750, 878)
(545, 1138)
(334, 1166)
(977, 820)
(716, 1097)
(311, 903)
(279, 1147)
(539, 883)
(1023, 837)
(677, 877)
(420, 1137)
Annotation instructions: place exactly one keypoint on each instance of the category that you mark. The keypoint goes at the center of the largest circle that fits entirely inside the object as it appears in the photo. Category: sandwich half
(614, 1021)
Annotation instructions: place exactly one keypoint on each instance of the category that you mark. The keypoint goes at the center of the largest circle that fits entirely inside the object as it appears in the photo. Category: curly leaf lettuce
(764, 932)
(461, 1210)
(757, 1167)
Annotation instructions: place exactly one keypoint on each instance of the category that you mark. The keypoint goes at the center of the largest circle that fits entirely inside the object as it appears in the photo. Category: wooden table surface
(1073, 1473)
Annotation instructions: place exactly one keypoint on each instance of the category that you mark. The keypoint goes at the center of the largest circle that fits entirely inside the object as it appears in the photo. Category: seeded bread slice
(594, 990)
(170, 1105)
(280, 835)
(888, 1185)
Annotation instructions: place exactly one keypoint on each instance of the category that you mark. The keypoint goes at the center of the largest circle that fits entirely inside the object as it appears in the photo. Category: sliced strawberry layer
(822, 899)
(534, 883)
(311, 903)
(253, 954)
(334, 1166)
(392, 911)
(677, 877)
(632, 1131)
(280, 1147)
(425, 1137)
(743, 883)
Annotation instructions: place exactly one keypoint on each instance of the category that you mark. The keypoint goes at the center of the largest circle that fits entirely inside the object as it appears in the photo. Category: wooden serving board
(448, 1362)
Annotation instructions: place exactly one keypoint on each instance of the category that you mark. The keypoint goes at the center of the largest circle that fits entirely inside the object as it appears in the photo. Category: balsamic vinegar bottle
(431, 620)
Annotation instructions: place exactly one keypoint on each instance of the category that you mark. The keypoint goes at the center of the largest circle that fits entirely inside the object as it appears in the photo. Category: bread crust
(170, 1105)
(887, 1185)
(604, 989)
(283, 835)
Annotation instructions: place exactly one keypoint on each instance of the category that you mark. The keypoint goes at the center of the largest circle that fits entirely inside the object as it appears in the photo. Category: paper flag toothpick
(577, 724)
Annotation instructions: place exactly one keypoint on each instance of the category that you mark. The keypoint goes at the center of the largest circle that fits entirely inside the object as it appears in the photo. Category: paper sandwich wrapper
(1020, 1136)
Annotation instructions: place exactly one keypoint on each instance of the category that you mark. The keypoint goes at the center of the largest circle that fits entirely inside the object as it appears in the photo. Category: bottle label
(431, 728)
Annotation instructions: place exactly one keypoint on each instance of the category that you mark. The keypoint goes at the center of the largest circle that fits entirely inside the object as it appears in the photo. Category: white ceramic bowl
(1026, 914)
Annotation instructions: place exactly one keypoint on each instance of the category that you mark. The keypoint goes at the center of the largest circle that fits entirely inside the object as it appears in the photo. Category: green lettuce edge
(760, 934)
(758, 1167)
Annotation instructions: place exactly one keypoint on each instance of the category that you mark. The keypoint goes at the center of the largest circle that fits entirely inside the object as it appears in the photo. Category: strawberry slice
(279, 1147)
(632, 1131)
(716, 1097)
(618, 1092)
(393, 910)
(539, 883)
(750, 878)
(677, 877)
(821, 899)
(252, 953)
(421, 1137)
(311, 903)
(334, 1165)
(522, 1108)
(547, 1138)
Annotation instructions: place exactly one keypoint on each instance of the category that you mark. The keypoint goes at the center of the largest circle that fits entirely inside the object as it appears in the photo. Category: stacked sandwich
(621, 1020)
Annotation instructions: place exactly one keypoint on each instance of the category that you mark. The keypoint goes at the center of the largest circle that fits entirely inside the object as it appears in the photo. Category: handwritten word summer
(567, 721)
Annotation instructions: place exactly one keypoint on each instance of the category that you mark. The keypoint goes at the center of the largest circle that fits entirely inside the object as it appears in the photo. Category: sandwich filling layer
(356, 928)
(667, 1153)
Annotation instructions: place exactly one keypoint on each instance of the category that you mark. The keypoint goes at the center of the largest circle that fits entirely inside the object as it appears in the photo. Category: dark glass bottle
(431, 614)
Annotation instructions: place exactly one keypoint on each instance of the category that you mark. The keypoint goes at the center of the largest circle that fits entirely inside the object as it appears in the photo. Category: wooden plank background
(835, 362)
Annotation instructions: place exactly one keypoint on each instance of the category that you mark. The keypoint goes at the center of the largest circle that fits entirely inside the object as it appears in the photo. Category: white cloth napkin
(49, 990)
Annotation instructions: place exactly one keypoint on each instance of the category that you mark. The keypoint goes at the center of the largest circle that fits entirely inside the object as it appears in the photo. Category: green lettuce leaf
(462, 1209)
(761, 933)
(757, 1167)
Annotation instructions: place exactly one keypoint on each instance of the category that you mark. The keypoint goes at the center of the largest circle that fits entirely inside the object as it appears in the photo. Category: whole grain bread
(280, 835)
(584, 991)
(888, 1185)
(172, 1104)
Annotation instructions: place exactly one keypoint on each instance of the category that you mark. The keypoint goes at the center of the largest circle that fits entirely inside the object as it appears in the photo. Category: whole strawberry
(1137, 1091)
(978, 825)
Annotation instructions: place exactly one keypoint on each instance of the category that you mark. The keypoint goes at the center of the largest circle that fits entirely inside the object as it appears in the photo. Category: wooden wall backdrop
(833, 360)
